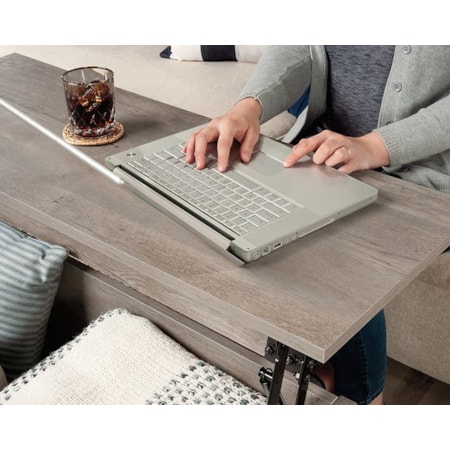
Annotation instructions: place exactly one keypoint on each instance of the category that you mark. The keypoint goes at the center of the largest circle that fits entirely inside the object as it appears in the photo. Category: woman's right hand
(241, 123)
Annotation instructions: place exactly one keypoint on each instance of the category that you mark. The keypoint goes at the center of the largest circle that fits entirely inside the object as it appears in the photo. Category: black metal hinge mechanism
(284, 358)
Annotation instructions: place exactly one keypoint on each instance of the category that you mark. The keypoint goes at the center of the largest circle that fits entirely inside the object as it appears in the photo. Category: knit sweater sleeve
(415, 114)
(279, 79)
(419, 136)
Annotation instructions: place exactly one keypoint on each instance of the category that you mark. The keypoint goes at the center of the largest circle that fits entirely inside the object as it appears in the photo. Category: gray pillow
(30, 271)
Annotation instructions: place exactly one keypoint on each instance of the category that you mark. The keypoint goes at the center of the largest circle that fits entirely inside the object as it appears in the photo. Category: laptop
(250, 210)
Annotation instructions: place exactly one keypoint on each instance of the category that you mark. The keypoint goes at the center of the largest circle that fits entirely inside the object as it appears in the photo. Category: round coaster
(74, 139)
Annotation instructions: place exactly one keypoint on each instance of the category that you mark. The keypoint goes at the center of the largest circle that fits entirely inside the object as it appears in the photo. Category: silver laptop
(251, 209)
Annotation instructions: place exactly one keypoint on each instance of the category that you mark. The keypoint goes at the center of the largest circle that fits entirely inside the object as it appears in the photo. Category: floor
(406, 386)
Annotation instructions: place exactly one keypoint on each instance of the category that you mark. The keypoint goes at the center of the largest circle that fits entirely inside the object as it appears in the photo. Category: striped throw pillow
(241, 53)
(30, 271)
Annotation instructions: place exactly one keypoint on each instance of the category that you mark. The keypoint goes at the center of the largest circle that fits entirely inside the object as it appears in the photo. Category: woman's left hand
(349, 153)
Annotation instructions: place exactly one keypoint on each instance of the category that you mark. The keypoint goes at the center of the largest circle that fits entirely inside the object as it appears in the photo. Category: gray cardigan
(414, 119)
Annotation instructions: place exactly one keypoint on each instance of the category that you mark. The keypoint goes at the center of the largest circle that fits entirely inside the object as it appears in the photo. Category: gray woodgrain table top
(312, 295)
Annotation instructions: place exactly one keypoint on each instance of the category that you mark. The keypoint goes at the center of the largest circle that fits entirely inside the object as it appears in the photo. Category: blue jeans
(360, 365)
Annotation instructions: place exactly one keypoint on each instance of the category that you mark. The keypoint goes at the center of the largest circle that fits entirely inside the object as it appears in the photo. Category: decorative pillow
(124, 359)
(242, 53)
(30, 271)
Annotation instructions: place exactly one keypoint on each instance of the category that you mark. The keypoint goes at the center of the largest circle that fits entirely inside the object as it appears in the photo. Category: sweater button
(407, 49)
(397, 86)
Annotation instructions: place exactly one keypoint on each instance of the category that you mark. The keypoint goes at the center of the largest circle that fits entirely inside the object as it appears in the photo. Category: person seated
(370, 107)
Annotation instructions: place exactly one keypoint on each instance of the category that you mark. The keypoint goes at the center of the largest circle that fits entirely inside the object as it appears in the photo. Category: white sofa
(417, 320)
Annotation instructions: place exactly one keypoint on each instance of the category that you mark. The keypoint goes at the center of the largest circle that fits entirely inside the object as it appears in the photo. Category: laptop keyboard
(229, 198)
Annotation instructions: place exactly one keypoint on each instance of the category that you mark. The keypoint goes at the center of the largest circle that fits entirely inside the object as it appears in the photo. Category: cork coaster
(114, 136)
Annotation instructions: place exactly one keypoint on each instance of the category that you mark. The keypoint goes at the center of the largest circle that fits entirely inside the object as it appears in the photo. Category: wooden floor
(406, 386)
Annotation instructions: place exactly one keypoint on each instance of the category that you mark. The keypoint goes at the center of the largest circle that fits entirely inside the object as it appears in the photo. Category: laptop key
(266, 215)
(274, 209)
(249, 184)
(256, 220)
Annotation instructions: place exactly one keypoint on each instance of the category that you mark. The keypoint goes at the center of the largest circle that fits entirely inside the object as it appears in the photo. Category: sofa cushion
(30, 271)
(242, 53)
(417, 321)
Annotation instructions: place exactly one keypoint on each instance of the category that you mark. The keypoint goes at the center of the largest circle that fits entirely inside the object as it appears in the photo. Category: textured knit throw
(123, 359)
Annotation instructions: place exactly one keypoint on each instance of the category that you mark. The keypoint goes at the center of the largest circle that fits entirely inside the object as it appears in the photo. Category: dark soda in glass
(90, 102)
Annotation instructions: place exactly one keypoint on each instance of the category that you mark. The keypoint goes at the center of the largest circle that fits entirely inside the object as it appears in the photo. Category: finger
(349, 167)
(300, 150)
(202, 138)
(248, 145)
(323, 144)
(333, 148)
(189, 147)
(341, 155)
(308, 145)
(224, 144)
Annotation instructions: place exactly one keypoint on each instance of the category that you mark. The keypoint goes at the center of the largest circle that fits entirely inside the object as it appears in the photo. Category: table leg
(284, 359)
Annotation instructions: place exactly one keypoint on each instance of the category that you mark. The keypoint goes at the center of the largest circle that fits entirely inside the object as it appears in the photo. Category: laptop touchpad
(265, 165)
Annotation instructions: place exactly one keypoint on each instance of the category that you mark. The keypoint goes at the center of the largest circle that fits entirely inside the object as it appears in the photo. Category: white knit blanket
(123, 359)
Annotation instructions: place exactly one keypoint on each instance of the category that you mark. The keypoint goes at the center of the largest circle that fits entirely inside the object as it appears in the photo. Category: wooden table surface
(312, 295)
